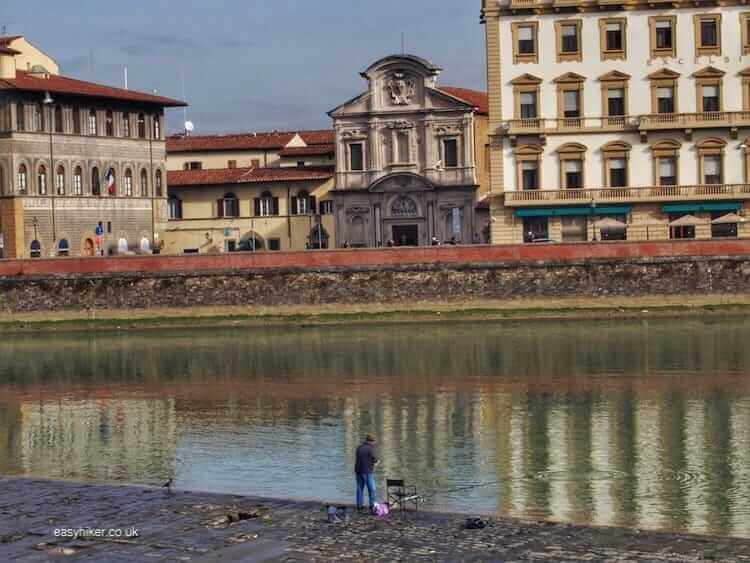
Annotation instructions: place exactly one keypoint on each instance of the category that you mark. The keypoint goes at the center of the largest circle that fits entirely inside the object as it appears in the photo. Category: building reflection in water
(636, 424)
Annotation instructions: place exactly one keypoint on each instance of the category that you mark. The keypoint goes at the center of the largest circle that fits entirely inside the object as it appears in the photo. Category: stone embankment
(377, 276)
(39, 520)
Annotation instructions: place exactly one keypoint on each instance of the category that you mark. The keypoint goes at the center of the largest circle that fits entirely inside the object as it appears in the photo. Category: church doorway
(406, 235)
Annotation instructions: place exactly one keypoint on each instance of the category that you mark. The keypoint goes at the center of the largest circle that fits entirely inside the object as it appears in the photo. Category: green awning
(697, 207)
(573, 211)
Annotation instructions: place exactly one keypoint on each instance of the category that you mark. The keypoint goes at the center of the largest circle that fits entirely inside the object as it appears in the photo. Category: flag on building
(111, 185)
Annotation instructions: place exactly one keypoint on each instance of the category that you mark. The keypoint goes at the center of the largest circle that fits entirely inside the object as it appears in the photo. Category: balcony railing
(530, 126)
(526, 198)
(695, 120)
(525, 4)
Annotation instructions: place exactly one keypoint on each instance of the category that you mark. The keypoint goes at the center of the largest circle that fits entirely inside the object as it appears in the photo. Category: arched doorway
(88, 247)
(318, 238)
(251, 242)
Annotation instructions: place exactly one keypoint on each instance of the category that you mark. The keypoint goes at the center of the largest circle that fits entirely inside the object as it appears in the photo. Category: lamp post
(48, 101)
(593, 218)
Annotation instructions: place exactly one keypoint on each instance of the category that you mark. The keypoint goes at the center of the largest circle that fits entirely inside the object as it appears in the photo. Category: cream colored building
(75, 155)
(618, 119)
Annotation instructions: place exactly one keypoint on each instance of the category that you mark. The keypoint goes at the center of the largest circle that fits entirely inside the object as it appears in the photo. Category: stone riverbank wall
(377, 275)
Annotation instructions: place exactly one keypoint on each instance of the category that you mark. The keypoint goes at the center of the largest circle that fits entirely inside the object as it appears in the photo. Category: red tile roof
(479, 100)
(5, 50)
(8, 39)
(312, 150)
(212, 177)
(56, 84)
(246, 141)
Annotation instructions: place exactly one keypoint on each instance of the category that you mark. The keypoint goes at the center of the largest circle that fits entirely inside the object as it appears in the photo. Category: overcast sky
(250, 65)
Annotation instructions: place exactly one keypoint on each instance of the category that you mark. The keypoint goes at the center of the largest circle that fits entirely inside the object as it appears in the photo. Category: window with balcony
(618, 172)
(356, 157)
(613, 38)
(665, 99)
(529, 105)
(526, 96)
(266, 205)
(571, 103)
(667, 168)
(712, 173)
(615, 102)
(530, 175)
(525, 49)
(616, 155)
(571, 165)
(450, 153)
(663, 33)
(569, 40)
(711, 160)
(570, 98)
(228, 206)
(710, 98)
(707, 34)
(528, 167)
(709, 90)
(665, 154)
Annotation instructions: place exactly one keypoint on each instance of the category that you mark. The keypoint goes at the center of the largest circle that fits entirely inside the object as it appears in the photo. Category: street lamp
(48, 101)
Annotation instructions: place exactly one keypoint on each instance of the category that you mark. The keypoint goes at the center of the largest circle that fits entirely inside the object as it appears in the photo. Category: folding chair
(400, 496)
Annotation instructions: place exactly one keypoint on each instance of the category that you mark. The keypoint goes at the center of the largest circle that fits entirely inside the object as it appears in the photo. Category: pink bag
(381, 509)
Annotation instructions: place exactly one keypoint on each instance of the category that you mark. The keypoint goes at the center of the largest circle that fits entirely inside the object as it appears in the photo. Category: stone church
(410, 159)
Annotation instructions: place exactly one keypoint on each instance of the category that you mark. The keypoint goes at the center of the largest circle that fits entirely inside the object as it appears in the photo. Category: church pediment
(401, 183)
(357, 105)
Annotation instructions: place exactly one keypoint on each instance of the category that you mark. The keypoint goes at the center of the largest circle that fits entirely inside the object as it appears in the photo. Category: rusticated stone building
(410, 159)
(75, 156)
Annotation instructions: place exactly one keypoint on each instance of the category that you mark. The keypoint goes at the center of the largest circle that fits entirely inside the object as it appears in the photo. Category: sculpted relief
(401, 89)
(404, 207)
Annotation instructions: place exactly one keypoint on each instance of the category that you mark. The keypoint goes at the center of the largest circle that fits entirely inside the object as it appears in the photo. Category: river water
(635, 423)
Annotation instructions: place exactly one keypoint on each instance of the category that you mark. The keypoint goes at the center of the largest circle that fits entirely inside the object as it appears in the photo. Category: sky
(250, 65)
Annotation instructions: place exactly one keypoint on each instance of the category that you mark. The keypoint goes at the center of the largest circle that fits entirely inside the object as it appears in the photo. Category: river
(633, 423)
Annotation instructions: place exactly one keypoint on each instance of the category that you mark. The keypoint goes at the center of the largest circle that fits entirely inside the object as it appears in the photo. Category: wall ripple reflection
(624, 423)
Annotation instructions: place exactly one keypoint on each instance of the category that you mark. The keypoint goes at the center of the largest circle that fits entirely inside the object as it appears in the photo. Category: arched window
(78, 181)
(36, 249)
(229, 206)
(318, 238)
(111, 180)
(157, 127)
(266, 205)
(23, 179)
(41, 180)
(175, 207)
(141, 126)
(58, 119)
(144, 183)
(157, 184)
(303, 204)
(616, 157)
(63, 248)
(60, 180)
(528, 167)
(109, 123)
(92, 123)
(128, 182)
(711, 160)
(126, 124)
(96, 186)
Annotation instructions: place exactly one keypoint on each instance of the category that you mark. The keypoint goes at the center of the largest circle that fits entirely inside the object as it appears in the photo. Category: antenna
(126, 77)
(403, 43)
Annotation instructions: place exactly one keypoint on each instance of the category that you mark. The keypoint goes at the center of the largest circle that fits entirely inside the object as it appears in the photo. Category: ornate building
(76, 158)
(409, 158)
(618, 119)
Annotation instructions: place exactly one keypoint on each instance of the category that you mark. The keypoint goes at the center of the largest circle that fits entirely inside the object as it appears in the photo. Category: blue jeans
(366, 480)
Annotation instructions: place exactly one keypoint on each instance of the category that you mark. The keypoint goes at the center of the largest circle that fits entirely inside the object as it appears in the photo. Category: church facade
(407, 154)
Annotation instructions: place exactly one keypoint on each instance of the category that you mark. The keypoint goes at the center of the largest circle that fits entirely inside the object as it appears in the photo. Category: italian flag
(111, 185)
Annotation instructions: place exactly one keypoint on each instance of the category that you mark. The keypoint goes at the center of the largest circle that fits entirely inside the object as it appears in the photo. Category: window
(666, 154)
(618, 172)
(266, 205)
(157, 127)
(535, 229)
(41, 181)
(665, 99)
(356, 157)
(526, 94)
(144, 183)
(572, 103)
(63, 247)
(300, 164)
(682, 226)
(96, 187)
(126, 124)
(664, 94)
(667, 171)
(402, 146)
(723, 225)
(711, 160)
(76, 121)
(707, 34)
(141, 126)
(111, 179)
(525, 42)
(255, 163)
(745, 32)
(712, 170)
(229, 206)
(60, 180)
(39, 117)
(78, 181)
(158, 184)
(175, 207)
(128, 182)
(530, 175)
(195, 165)
(616, 102)
(35, 249)
(318, 238)
(326, 207)
(232, 164)
(92, 123)
(58, 119)
(109, 124)
(274, 244)
(303, 204)
(663, 33)
(708, 90)
(571, 165)
(574, 229)
(22, 180)
(570, 99)
(529, 105)
(450, 153)
(528, 166)
(613, 38)
(616, 156)
(20, 116)
(710, 95)
(568, 40)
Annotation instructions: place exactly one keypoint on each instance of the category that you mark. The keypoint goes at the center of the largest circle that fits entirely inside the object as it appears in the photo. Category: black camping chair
(400, 496)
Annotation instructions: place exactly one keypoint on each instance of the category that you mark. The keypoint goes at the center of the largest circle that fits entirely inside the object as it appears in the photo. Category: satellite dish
(189, 126)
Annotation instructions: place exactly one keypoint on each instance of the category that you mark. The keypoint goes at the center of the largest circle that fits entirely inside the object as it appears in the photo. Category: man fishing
(364, 469)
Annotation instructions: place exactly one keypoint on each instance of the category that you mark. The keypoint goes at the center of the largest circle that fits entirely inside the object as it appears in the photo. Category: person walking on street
(364, 469)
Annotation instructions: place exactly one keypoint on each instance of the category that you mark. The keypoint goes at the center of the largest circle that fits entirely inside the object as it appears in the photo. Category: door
(406, 235)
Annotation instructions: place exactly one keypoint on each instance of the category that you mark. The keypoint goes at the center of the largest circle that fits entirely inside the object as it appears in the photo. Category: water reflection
(640, 424)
